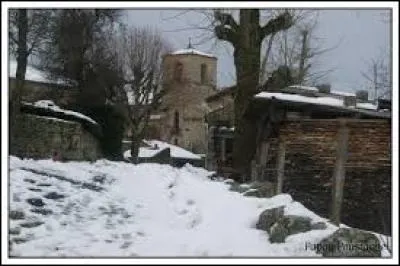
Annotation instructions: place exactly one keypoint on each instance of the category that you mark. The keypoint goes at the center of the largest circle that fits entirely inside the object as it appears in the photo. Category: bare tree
(246, 37)
(140, 57)
(378, 76)
(37, 29)
(297, 48)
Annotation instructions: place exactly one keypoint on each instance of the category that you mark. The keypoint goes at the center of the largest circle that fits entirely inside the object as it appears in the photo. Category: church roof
(192, 51)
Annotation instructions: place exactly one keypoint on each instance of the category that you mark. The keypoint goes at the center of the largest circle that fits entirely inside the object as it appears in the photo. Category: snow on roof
(368, 106)
(192, 51)
(33, 74)
(176, 152)
(343, 93)
(299, 98)
(48, 104)
(144, 152)
(56, 119)
(157, 146)
(303, 87)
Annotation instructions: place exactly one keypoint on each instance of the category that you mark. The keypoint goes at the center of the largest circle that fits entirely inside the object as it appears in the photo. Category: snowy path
(144, 210)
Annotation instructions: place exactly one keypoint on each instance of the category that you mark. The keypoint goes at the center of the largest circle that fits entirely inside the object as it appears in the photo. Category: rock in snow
(349, 242)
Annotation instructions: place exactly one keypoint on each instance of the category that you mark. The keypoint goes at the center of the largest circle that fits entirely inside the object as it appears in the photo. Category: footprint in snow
(126, 244)
(183, 211)
(171, 194)
(140, 233)
(190, 202)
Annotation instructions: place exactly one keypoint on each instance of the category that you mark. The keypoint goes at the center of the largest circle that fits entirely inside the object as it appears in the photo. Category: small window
(176, 121)
(175, 141)
(178, 72)
(203, 73)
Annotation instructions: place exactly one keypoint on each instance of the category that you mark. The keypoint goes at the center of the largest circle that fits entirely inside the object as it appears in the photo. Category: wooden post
(280, 166)
(339, 172)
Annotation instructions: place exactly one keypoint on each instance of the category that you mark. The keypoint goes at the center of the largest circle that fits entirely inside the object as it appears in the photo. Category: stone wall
(309, 164)
(39, 137)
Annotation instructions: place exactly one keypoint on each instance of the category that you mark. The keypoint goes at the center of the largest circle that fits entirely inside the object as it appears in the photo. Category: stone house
(298, 130)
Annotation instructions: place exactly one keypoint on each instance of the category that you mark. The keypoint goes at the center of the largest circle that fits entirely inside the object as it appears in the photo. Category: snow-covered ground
(120, 209)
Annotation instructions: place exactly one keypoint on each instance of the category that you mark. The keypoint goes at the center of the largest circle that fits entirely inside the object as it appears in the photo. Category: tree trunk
(303, 57)
(135, 145)
(22, 58)
(247, 62)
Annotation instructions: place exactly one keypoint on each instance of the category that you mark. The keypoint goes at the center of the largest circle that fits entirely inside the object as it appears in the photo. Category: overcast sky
(361, 34)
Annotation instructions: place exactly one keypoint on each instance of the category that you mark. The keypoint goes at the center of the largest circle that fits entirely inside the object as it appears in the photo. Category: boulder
(278, 233)
(318, 226)
(279, 226)
(269, 217)
(288, 225)
(350, 242)
(296, 224)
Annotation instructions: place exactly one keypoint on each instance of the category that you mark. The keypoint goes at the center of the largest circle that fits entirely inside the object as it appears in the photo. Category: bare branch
(282, 22)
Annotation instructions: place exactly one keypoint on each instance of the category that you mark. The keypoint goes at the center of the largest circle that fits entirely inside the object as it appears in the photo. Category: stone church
(190, 77)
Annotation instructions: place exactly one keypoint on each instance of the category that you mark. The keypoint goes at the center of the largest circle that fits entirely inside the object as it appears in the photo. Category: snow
(299, 98)
(368, 106)
(176, 152)
(56, 119)
(144, 210)
(157, 146)
(143, 153)
(304, 87)
(48, 104)
(32, 74)
(343, 93)
(155, 117)
(191, 51)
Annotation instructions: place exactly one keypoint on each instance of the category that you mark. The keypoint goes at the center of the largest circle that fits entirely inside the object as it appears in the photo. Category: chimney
(349, 101)
(362, 95)
(324, 88)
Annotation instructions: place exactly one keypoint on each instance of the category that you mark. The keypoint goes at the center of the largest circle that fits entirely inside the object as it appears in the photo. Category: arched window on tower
(178, 72)
(203, 71)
